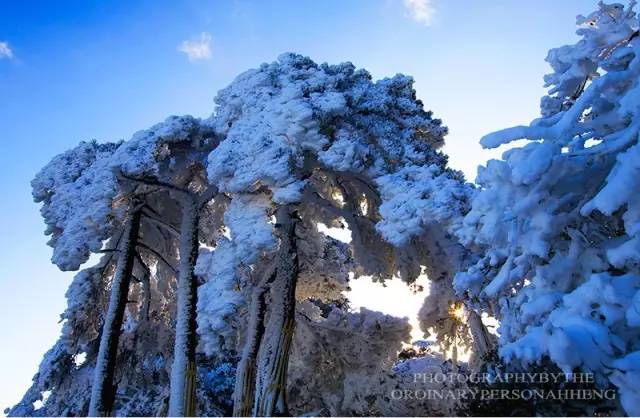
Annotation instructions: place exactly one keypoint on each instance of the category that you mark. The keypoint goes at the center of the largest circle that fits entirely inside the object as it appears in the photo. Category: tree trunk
(182, 401)
(482, 340)
(454, 355)
(273, 355)
(246, 370)
(145, 283)
(103, 391)
(146, 297)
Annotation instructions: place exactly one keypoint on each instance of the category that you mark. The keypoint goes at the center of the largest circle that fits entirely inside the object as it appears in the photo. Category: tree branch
(315, 197)
(146, 286)
(108, 250)
(158, 256)
(207, 195)
(144, 266)
(150, 181)
(361, 179)
(170, 228)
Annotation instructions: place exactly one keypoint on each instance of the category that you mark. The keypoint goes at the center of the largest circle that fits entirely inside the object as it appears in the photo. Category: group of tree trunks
(261, 374)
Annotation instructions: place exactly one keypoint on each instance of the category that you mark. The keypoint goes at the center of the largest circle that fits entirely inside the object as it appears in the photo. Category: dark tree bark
(103, 390)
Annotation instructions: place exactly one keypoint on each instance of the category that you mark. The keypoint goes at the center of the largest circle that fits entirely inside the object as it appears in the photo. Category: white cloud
(420, 10)
(5, 50)
(199, 49)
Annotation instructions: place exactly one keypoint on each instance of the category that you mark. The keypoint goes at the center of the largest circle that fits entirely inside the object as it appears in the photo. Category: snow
(564, 328)
(341, 234)
(77, 190)
(80, 359)
(551, 234)
(272, 116)
(227, 268)
(622, 180)
(80, 325)
(626, 378)
(143, 153)
(555, 222)
(417, 196)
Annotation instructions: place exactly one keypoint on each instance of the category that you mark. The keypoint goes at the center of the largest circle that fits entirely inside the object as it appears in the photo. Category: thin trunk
(103, 390)
(145, 282)
(182, 401)
(273, 356)
(454, 356)
(246, 370)
(482, 340)
(146, 298)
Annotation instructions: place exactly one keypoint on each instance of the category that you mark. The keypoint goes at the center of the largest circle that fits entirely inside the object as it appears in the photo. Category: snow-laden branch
(556, 220)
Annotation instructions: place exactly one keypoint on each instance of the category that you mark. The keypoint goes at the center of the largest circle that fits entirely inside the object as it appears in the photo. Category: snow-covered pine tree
(333, 147)
(68, 369)
(293, 146)
(103, 389)
(80, 194)
(558, 220)
(171, 156)
(120, 192)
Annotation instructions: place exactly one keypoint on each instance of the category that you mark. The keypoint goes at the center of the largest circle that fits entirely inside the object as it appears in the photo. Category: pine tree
(556, 221)
(332, 146)
(239, 201)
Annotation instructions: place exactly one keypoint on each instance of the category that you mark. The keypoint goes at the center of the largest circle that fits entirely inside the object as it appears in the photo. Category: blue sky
(76, 70)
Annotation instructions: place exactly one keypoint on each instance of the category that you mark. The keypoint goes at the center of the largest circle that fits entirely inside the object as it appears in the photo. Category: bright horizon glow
(394, 298)
(107, 69)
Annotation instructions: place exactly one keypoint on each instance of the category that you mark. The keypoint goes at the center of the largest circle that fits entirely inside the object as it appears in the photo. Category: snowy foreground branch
(557, 221)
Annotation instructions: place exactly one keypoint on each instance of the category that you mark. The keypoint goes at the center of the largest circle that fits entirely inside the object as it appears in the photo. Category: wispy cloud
(199, 49)
(421, 11)
(5, 50)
